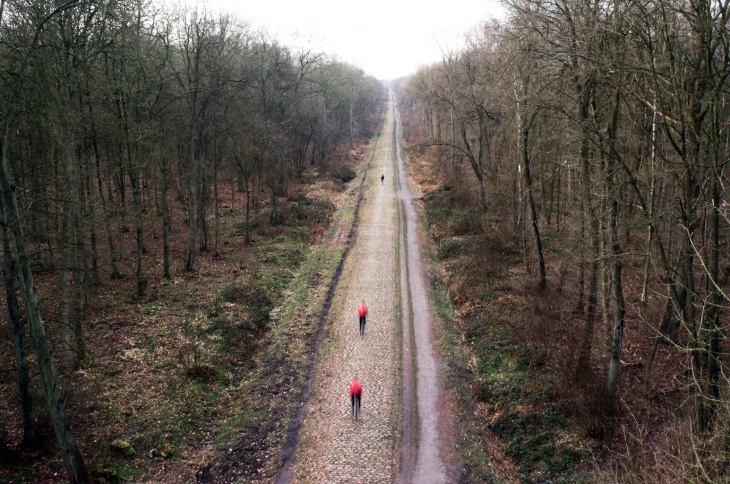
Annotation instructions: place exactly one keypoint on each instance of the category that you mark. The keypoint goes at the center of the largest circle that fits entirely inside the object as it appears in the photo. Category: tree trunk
(619, 313)
(714, 329)
(677, 301)
(190, 263)
(476, 161)
(67, 357)
(591, 224)
(272, 207)
(120, 210)
(90, 216)
(78, 264)
(559, 198)
(30, 434)
(69, 450)
(652, 198)
(542, 284)
(605, 276)
(248, 210)
(137, 201)
(233, 194)
(202, 207)
(712, 318)
(165, 215)
(580, 303)
(104, 212)
(619, 310)
(216, 207)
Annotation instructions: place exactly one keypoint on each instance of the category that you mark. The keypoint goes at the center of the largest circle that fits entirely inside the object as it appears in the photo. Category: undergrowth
(505, 382)
(197, 365)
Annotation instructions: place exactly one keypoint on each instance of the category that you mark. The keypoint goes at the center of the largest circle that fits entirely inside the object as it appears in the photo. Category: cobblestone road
(332, 447)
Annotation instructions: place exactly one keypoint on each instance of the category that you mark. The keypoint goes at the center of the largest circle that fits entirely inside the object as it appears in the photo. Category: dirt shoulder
(427, 423)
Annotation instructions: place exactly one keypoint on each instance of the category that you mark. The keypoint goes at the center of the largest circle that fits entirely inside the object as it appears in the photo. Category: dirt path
(332, 447)
(425, 450)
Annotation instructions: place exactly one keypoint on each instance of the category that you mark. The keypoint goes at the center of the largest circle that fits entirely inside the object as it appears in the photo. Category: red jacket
(355, 388)
(362, 310)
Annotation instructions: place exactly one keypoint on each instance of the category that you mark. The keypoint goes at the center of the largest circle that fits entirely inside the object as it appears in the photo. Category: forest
(581, 147)
(138, 144)
(168, 176)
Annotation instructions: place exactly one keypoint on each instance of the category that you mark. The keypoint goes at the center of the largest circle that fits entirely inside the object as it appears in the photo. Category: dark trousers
(355, 405)
(362, 325)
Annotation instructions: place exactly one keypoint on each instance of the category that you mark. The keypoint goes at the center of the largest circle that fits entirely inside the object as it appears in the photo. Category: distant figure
(355, 397)
(382, 178)
(362, 311)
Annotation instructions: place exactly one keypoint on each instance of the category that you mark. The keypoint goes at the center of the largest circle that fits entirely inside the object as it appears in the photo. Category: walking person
(362, 311)
(355, 397)
(382, 178)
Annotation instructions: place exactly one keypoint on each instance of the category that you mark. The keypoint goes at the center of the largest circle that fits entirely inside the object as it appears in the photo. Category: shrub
(344, 173)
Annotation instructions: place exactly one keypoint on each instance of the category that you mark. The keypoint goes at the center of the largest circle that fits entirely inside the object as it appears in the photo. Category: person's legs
(352, 398)
(357, 406)
(362, 325)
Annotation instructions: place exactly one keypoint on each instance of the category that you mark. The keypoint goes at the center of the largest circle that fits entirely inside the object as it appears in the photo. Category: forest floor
(203, 374)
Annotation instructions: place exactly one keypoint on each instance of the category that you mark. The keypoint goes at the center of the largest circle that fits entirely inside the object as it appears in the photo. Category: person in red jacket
(362, 311)
(355, 397)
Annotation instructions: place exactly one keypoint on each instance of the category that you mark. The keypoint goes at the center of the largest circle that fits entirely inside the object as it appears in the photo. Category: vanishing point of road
(400, 434)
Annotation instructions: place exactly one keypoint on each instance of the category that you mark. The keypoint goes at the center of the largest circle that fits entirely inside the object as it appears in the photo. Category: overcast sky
(386, 38)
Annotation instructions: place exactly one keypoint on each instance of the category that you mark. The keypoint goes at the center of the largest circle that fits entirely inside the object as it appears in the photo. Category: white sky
(386, 38)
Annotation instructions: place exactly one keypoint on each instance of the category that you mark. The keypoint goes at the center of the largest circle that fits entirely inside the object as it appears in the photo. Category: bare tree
(69, 449)
(30, 433)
